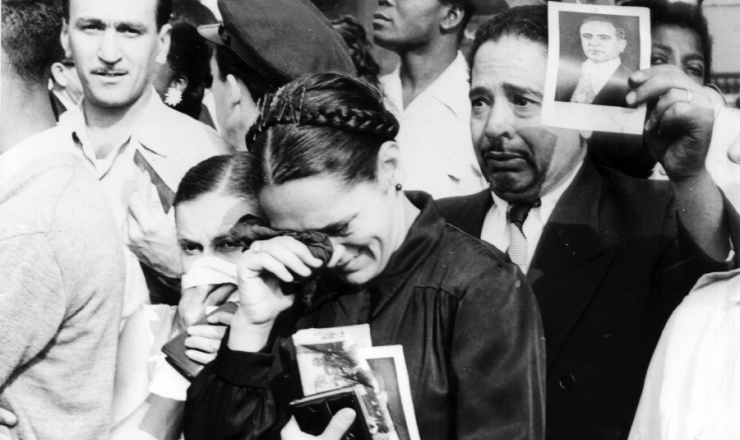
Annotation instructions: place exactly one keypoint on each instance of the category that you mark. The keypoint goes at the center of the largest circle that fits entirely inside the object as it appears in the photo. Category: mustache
(532, 139)
(108, 71)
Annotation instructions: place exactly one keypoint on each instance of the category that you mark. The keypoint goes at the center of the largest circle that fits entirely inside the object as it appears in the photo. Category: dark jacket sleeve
(233, 398)
(498, 358)
(686, 262)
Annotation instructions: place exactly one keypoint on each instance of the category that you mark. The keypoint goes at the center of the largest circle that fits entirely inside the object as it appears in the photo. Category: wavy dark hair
(327, 123)
(227, 174)
(355, 37)
(189, 57)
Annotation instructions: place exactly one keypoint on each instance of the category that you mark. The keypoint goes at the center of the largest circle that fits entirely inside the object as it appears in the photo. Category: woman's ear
(179, 82)
(390, 168)
(235, 92)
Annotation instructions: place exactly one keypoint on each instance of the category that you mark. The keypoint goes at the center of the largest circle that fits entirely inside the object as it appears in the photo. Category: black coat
(611, 265)
(468, 323)
(612, 94)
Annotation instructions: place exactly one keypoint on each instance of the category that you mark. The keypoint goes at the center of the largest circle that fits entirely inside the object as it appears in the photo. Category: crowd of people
(170, 179)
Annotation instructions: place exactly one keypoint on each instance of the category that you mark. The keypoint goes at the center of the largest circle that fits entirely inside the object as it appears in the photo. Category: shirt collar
(607, 67)
(450, 88)
(548, 201)
(146, 131)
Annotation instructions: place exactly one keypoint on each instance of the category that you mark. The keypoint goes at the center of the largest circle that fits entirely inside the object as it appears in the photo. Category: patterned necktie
(584, 92)
(517, 241)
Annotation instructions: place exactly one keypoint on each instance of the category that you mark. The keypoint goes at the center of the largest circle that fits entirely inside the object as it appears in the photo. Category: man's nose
(500, 120)
(110, 49)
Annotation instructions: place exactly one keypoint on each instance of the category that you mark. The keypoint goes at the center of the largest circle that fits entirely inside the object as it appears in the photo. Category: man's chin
(514, 187)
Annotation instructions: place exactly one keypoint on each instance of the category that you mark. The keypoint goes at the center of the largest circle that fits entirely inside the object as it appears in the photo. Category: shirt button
(567, 381)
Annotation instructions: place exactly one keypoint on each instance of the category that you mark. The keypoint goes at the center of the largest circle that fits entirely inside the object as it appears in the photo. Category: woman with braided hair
(324, 160)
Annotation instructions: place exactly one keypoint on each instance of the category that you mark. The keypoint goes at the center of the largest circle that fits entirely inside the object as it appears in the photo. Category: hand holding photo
(592, 52)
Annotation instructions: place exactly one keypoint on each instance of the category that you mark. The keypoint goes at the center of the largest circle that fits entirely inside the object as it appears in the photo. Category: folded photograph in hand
(592, 52)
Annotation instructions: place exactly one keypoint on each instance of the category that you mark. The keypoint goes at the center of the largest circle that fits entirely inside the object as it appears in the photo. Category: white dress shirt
(600, 72)
(435, 140)
(692, 388)
(496, 226)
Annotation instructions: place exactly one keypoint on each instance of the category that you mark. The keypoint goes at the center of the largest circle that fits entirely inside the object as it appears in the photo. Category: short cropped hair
(163, 11)
(620, 30)
(529, 22)
(682, 15)
(30, 36)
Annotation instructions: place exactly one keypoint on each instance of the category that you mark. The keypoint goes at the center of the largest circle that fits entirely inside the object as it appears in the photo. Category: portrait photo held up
(592, 52)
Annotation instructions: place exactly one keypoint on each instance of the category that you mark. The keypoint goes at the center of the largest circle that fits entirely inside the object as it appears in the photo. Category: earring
(173, 97)
(399, 187)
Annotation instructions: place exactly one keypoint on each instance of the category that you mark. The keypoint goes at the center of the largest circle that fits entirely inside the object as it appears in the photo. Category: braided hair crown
(298, 103)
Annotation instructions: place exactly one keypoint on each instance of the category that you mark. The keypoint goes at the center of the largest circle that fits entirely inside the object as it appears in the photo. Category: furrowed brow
(517, 90)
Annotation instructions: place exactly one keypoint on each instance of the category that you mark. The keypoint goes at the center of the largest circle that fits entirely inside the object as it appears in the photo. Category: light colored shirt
(61, 292)
(496, 225)
(435, 140)
(171, 142)
(600, 72)
(692, 388)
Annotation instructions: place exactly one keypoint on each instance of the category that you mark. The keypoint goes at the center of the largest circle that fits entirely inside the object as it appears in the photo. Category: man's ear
(622, 45)
(164, 43)
(64, 38)
(179, 82)
(390, 168)
(57, 73)
(453, 18)
(235, 92)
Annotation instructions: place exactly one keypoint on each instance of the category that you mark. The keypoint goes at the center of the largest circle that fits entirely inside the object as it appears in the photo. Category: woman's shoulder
(464, 263)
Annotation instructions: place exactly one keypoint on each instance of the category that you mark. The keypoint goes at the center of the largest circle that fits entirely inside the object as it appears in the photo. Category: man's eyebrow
(89, 21)
(511, 89)
(130, 25)
(478, 90)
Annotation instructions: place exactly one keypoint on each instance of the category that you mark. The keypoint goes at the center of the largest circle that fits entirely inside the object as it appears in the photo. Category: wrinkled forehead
(114, 11)
(511, 59)
(599, 27)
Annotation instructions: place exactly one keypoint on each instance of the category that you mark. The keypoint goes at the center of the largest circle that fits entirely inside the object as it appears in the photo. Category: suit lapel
(569, 263)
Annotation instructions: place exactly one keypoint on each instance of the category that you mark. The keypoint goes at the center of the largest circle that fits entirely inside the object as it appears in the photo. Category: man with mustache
(602, 78)
(609, 257)
(137, 146)
(428, 90)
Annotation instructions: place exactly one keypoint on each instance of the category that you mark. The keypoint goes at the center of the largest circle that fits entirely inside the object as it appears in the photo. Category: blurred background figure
(66, 90)
(355, 36)
(181, 82)
(250, 62)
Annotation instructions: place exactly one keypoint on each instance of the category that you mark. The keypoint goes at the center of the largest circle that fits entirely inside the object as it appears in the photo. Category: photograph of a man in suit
(602, 79)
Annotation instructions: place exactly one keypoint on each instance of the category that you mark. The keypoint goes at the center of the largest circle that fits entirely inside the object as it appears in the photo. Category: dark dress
(468, 323)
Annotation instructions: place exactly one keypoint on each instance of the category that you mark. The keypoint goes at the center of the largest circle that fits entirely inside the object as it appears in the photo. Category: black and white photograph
(593, 51)
(369, 220)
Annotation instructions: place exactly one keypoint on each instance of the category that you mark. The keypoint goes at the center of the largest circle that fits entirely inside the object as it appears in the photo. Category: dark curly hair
(684, 16)
(30, 36)
(355, 36)
(528, 22)
(189, 57)
(328, 123)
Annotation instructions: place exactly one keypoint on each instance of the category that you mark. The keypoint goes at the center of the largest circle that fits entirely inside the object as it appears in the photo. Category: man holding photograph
(603, 77)
(609, 257)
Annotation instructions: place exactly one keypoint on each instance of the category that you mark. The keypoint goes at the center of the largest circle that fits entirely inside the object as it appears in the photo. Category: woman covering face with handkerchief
(325, 162)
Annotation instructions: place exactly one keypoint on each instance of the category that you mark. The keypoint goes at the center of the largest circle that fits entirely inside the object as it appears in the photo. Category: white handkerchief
(209, 270)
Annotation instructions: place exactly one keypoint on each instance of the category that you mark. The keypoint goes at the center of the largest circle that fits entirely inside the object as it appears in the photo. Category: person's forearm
(701, 209)
(247, 336)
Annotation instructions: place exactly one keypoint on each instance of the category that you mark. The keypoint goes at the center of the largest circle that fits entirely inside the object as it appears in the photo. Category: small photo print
(389, 367)
(592, 52)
